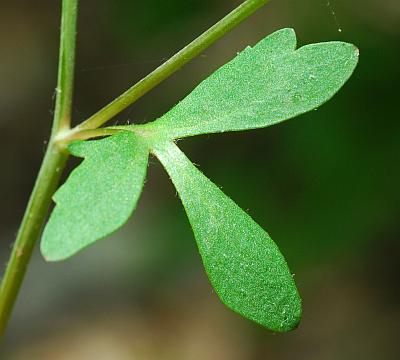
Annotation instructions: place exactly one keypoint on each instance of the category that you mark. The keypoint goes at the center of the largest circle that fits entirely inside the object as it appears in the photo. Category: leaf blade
(243, 264)
(262, 86)
(98, 196)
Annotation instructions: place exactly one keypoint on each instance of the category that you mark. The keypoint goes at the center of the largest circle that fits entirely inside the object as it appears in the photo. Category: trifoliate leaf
(244, 265)
(262, 86)
(99, 195)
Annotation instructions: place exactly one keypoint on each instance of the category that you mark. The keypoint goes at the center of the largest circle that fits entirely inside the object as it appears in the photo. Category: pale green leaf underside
(99, 195)
(262, 86)
(244, 265)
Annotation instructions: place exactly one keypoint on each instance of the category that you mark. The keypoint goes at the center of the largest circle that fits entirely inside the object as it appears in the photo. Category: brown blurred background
(326, 187)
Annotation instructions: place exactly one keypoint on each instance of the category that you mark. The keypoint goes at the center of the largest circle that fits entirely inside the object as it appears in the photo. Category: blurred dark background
(325, 186)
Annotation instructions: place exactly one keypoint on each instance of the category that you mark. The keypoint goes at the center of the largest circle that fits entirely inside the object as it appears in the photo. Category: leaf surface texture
(262, 86)
(244, 265)
(99, 195)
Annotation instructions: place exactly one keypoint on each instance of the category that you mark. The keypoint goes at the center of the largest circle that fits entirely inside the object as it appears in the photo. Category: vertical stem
(66, 66)
(50, 171)
(35, 214)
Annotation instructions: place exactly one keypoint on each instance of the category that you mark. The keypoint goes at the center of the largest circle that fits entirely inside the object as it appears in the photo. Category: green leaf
(244, 265)
(99, 195)
(262, 86)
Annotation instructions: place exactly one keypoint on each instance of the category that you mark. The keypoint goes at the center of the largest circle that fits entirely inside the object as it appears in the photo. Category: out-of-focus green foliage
(152, 18)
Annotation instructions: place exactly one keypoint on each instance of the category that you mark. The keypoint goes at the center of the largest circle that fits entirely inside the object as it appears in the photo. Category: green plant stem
(88, 134)
(50, 171)
(35, 214)
(172, 65)
(66, 67)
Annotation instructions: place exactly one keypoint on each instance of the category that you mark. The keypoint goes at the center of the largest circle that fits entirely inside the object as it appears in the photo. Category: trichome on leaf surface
(264, 85)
